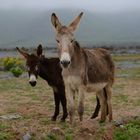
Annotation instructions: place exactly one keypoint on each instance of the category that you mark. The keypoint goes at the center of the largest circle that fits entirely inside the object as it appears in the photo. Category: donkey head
(32, 63)
(65, 39)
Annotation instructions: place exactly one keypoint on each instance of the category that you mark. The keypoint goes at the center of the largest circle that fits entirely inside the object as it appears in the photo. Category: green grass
(121, 98)
(68, 137)
(137, 102)
(36, 105)
(129, 73)
(5, 136)
(3, 126)
(50, 137)
(130, 131)
(126, 57)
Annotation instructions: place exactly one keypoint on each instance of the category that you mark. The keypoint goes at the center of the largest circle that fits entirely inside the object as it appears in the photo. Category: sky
(103, 21)
(91, 5)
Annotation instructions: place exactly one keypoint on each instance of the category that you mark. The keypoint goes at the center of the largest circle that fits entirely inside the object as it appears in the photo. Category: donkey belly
(95, 87)
(74, 83)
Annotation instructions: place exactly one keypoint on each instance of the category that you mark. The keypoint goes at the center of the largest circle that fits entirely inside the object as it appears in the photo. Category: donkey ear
(25, 54)
(55, 21)
(39, 50)
(75, 23)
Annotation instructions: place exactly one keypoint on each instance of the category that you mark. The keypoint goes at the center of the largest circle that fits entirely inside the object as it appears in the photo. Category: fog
(91, 5)
(27, 23)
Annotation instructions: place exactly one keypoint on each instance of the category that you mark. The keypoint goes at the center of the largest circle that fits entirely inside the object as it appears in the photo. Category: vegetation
(14, 65)
(36, 107)
(130, 131)
(16, 71)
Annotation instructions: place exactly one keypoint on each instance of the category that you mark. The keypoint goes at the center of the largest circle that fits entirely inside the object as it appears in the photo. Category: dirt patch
(93, 130)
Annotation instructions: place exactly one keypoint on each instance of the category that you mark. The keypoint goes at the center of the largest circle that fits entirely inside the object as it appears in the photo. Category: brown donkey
(49, 69)
(83, 70)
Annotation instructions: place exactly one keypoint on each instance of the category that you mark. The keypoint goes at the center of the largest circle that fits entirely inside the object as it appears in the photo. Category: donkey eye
(72, 40)
(57, 40)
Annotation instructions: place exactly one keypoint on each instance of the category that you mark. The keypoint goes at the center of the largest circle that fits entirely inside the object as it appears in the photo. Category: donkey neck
(43, 63)
(76, 58)
(50, 71)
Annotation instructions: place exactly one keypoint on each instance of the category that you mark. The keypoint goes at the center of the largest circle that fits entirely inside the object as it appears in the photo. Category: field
(36, 105)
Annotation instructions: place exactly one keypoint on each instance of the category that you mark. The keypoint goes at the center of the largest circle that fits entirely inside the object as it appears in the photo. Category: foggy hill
(28, 28)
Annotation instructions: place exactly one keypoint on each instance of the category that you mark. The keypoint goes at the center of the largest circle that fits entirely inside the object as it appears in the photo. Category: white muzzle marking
(32, 78)
(65, 57)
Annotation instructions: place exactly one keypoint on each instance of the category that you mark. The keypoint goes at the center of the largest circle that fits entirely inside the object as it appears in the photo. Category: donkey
(49, 70)
(83, 70)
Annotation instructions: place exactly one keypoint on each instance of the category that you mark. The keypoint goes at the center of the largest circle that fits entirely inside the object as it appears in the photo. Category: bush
(10, 62)
(16, 71)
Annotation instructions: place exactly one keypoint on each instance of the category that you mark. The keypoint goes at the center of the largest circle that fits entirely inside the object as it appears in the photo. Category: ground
(36, 105)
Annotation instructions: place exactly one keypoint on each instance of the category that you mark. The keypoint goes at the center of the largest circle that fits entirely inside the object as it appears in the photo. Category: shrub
(16, 71)
(10, 62)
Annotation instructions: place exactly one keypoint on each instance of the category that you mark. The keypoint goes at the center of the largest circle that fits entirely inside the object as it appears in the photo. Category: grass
(4, 135)
(36, 106)
(130, 131)
(126, 57)
(129, 73)
(121, 98)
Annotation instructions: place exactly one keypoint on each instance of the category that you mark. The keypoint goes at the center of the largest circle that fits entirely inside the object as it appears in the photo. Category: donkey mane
(77, 45)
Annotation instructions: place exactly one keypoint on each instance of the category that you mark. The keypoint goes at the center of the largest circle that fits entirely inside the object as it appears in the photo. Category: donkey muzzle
(65, 63)
(32, 80)
(32, 83)
(65, 59)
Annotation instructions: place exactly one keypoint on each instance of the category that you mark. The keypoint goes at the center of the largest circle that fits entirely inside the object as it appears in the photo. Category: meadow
(36, 105)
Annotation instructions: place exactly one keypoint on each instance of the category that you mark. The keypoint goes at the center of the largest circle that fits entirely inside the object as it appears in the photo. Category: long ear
(25, 54)
(75, 23)
(39, 50)
(55, 21)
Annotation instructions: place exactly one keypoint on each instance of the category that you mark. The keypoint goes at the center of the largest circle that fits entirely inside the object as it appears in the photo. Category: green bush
(10, 62)
(16, 71)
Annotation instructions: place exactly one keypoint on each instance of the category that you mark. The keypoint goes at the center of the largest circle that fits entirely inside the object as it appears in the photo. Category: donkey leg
(81, 104)
(105, 94)
(97, 109)
(57, 102)
(71, 106)
(64, 105)
(103, 105)
(109, 95)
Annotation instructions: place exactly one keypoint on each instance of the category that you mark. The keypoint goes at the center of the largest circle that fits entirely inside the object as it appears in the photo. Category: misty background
(28, 23)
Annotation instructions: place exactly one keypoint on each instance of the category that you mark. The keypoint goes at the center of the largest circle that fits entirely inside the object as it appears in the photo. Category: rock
(57, 131)
(10, 116)
(27, 137)
(119, 123)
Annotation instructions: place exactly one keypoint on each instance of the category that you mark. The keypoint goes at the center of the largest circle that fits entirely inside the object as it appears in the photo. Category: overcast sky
(91, 5)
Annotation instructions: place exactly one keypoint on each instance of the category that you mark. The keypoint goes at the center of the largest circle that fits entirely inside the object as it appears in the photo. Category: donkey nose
(65, 63)
(33, 83)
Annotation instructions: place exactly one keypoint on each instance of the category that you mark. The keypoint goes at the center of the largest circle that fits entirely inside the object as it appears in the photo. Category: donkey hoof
(81, 119)
(53, 118)
(62, 120)
(64, 117)
(94, 116)
(101, 121)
